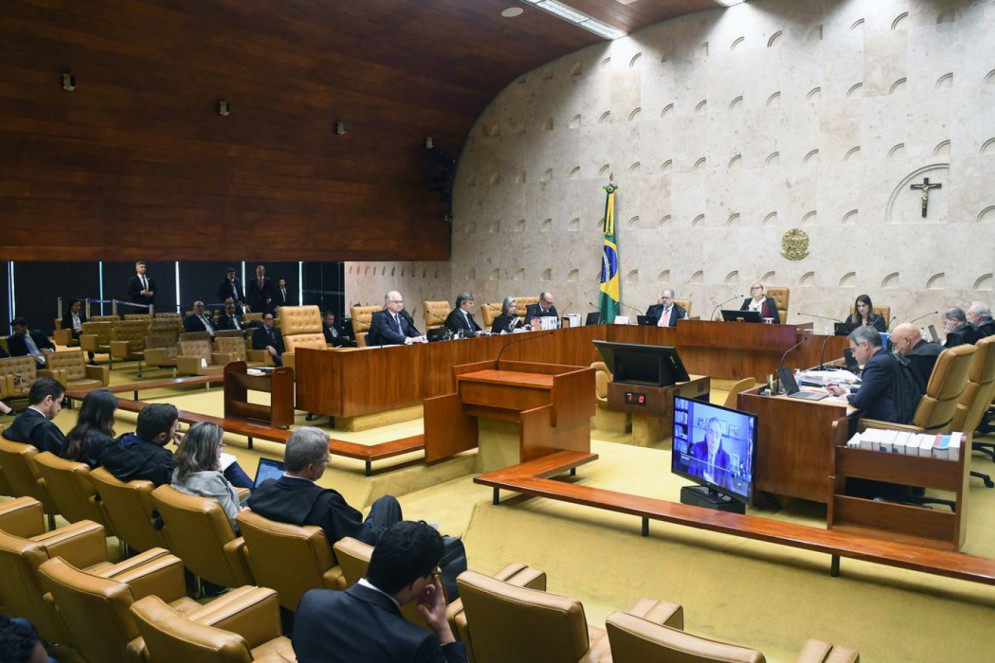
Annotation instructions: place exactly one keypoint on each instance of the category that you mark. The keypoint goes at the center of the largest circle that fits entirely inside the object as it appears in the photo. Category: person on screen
(863, 314)
(758, 301)
(714, 465)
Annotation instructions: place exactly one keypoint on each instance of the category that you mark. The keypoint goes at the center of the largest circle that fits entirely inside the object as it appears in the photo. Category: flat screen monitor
(715, 447)
(267, 469)
(731, 315)
(633, 363)
(593, 318)
(843, 328)
(647, 320)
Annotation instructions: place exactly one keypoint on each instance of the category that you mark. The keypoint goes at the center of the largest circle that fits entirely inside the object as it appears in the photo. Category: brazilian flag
(610, 296)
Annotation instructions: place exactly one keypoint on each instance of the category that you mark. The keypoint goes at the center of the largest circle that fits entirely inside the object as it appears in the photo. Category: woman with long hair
(94, 428)
(863, 314)
(198, 468)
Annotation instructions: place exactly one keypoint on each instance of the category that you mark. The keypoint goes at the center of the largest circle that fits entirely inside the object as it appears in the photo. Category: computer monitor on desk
(633, 363)
(731, 315)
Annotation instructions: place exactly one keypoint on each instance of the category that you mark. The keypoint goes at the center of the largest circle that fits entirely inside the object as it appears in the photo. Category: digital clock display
(635, 398)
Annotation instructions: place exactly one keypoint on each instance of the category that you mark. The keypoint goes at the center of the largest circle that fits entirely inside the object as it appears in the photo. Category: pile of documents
(945, 447)
(822, 378)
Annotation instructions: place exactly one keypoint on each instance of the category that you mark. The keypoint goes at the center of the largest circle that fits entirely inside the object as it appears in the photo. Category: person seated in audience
(541, 309)
(922, 355)
(94, 428)
(333, 335)
(876, 393)
(230, 288)
(959, 330)
(268, 338)
(19, 642)
(34, 426)
(24, 342)
(364, 622)
(393, 325)
(296, 498)
(863, 314)
(229, 318)
(667, 313)
(74, 318)
(713, 460)
(141, 287)
(508, 321)
(259, 297)
(980, 317)
(199, 321)
(758, 301)
(198, 468)
(460, 320)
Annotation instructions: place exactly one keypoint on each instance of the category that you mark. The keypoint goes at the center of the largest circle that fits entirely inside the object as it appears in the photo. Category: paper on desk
(825, 377)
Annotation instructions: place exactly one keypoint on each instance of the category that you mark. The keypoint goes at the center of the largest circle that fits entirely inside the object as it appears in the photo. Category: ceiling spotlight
(224, 108)
(68, 81)
(340, 128)
(512, 12)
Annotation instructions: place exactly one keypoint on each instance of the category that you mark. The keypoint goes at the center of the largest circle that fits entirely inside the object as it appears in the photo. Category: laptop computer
(791, 387)
(731, 315)
(267, 469)
(437, 334)
(593, 318)
(647, 320)
(843, 328)
(934, 337)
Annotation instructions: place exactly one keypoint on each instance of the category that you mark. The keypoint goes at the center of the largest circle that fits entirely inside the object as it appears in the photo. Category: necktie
(77, 325)
(145, 284)
(397, 321)
(283, 292)
(235, 322)
(32, 348)
(207, 324)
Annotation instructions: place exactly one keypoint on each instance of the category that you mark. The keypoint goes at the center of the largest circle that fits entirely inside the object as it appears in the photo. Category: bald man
(922, 355)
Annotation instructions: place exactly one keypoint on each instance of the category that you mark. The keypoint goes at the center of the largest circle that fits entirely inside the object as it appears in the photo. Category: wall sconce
(429, 143)
(340, 128)
(68, 81)
(224, 108)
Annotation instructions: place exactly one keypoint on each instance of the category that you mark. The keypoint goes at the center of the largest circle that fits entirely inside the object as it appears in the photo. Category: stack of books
(945, 447)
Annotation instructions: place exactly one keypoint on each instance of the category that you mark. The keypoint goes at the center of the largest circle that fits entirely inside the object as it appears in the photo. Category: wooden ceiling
(137, 162)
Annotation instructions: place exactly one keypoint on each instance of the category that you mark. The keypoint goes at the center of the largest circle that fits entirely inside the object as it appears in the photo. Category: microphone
(820, 317)
(566, 308)
(924, 315)
(528, 337)
(785, 356)
(715, 310)
(638, 311)
(822, 352)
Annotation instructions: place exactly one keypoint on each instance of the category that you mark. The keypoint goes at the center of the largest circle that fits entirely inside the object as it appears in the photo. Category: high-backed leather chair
(521, 303)
(198, 532)
(165, 326)
(938, 406)
(235, 348)
(161, 351)
(686, 304)
(69, 368)
(435, 313)
(128, 339)
(509, 623)
(883, 311)
(68, 484)
(362, 316)
(17, 374)
(94, 605)
(488, 312)
(605, 419)
(977, 397)
(128, 507)
(289, 558)
(143, 317)
(241, 626)
(198, 358)
(21, 473)
(104, 318)
(301, 327)
(96, 336)
(639, 638)
(781, 297)
(63, 337)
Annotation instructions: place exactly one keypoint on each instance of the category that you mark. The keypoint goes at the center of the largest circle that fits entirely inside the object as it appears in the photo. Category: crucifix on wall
(925, 187)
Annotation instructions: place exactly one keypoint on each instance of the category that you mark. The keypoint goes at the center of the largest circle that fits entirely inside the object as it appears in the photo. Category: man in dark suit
(364, 622)
(393, 326)
(143, 454)
(74, 318)
(959, 330)
(296, 498)
(199, 321)
(667, 313)
(333, 335)
(541, 309)
(922, 355)
(141, 287)
(714, 465)
(283, 295)
(231, 288)
(260, 294)
(876, 393)
(24, 342)
(230, 319)
(980, 317)
(268, 338)
(34, 426)
(460, 320)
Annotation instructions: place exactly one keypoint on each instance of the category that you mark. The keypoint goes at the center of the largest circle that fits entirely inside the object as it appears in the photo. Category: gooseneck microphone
(785, 356)
(638, 311)
(820, 317)
(715, 310)
(924, 315)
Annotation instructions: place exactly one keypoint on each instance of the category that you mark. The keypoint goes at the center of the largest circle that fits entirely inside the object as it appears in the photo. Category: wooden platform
(135, 387)
(530, 479)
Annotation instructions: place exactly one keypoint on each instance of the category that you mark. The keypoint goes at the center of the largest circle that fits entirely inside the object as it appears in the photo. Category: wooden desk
(279, 383)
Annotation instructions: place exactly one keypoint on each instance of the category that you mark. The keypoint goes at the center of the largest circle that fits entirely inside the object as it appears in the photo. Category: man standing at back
(34, 426)
(296, 498)
(260, 292)
(141, 287)
(231, 288)
(364, 622)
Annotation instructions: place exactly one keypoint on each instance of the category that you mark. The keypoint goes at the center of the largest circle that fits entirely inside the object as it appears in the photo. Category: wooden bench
(530, 479)
(135, 387)
(251, 429)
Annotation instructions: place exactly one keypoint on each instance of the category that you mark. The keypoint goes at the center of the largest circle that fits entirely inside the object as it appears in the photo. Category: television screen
(714, 446)
(634, 363)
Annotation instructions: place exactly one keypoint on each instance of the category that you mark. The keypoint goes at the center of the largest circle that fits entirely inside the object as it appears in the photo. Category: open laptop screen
(268, 469)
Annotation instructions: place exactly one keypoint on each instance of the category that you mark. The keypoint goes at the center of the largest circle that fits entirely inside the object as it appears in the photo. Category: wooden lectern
(551, 403)
(279, 382)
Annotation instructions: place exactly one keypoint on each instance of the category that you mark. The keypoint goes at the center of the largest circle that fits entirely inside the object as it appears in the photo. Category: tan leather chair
(128, 339)
(241, 626)
(167, 326)
(21, 473)
(194, 354)
(686, 304)
(17, 374)
(509, 623)
(69, 368)
(235, 348)
(362, 316)
(884, 311)
(639, 638)
(143, 317)
(94, 605)
(63, 337)
(301, 327)
(977, 397)
(781, 296)
(435, 313)
(938, 406)
(96, 336)
(289, 558)
(732, 398)
(521, 303)
(605, 419)
(488, 313)
(198, 532)
(128, 507)
(104, 318)
(68, 484)
(161, 351)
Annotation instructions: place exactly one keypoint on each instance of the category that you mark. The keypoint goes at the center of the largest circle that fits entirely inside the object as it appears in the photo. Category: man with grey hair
(667, 312)
(296, 498)
(980, 317)
(876, 394)
(392, 325)
(959, 331)
(460, 320)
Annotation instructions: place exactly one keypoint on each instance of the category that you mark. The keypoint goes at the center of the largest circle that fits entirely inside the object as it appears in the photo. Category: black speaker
(710, 499)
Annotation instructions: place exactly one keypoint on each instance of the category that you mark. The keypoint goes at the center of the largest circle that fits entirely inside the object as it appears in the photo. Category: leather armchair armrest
(89, 342)
(259, 356)
(155, 572)
(23, 517)
(82, 544)
(333, 578)
(517, 574)
(63, 337)
(238, 556)
(102, 373)
(288, 359)
(188, 365)
(816, 651)
(663, 613)
(251, 612)
(221, 358)
(242, 493)
(119, 349)
(56, 374)
(157, 357)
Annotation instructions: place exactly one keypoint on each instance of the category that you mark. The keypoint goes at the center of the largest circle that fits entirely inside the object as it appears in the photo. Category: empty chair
(85, 599)
(21, 474)
(128, 507)
(300, 327)
(977, 397)
(435, 313)
(96, 336)
(69, 368)
(68, 484)
(241, 626)
(17, 374)
(197, 358)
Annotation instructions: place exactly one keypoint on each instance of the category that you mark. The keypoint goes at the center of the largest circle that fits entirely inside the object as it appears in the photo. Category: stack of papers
(822, 378)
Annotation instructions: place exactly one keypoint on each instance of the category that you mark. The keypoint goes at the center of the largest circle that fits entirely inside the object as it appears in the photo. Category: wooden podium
(551, 403)
(279, 382)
